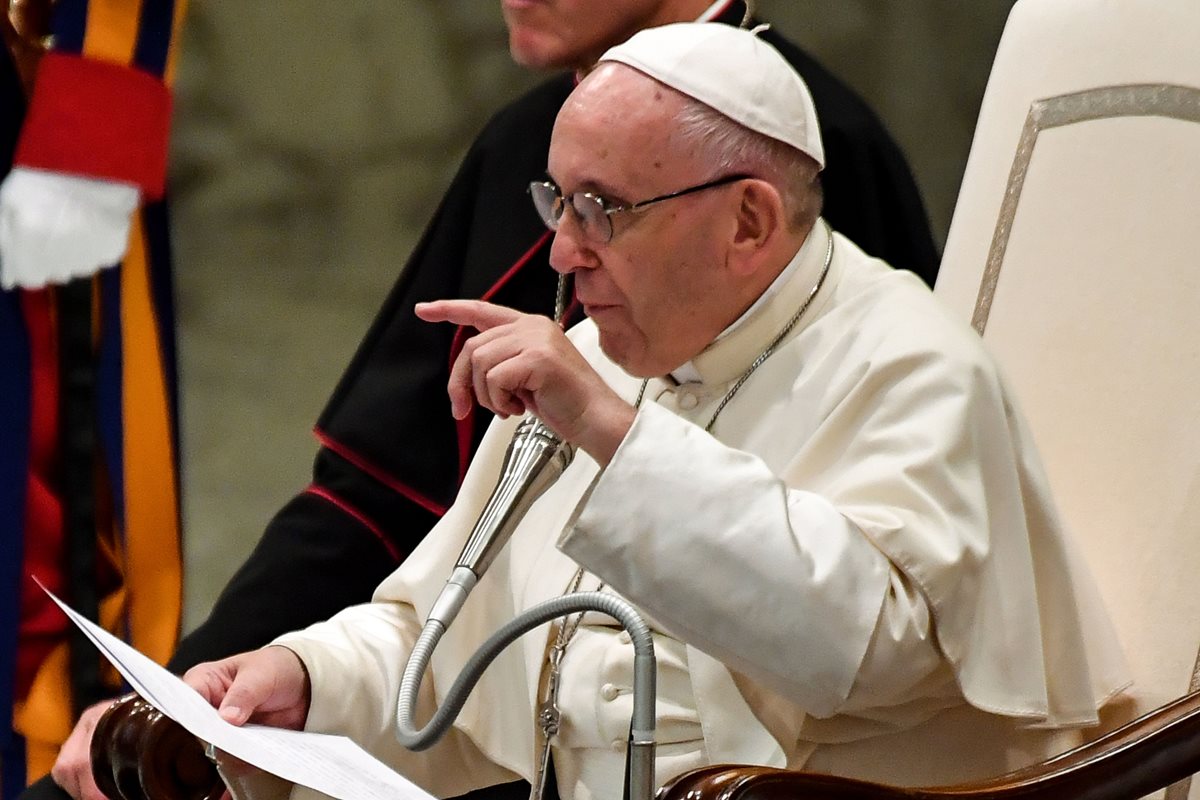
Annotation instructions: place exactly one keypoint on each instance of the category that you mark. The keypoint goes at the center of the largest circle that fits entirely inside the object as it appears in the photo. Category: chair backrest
(1075, 251)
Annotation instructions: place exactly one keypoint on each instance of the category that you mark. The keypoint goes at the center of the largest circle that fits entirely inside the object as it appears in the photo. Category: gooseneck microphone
(535, 458)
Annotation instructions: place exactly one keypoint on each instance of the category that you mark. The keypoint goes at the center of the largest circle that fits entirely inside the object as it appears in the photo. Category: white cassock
(859, 570)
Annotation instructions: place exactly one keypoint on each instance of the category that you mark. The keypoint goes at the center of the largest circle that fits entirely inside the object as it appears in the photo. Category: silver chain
(560, 301)
(549, 714)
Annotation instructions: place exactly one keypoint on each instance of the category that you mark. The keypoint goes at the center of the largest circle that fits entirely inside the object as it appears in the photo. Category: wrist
(608, 429)
(305, 679)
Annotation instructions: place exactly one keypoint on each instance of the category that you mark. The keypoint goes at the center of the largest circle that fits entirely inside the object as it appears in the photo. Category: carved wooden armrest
(140, 754)
(1150, 753)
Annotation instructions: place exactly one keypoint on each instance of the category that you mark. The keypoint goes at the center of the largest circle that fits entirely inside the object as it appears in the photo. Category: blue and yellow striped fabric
(125, 441)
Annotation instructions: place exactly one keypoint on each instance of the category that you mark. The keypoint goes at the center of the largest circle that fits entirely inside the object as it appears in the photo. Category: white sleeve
(368, 644)
(355, 662)
(771, 580)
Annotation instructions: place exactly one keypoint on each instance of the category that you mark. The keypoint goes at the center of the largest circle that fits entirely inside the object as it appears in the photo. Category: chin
(533, 50)
(618, 351)
(631, 359)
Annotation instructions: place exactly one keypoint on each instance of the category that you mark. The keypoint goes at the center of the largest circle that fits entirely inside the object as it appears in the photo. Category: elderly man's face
(658, 291)
(546, 34)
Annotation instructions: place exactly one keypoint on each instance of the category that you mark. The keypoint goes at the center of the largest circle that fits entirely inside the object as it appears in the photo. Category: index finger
(477, 314)
(209, 681)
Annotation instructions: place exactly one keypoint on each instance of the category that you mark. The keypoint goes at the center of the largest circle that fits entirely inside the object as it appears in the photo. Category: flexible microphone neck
(535, 458)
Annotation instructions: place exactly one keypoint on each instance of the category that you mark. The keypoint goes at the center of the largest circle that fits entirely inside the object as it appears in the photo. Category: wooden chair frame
(1143, 756)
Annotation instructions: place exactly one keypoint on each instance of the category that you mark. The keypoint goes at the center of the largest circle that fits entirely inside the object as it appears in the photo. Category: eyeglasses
(594, 212)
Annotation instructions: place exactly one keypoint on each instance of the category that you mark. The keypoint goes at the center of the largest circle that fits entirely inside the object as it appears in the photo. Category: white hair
(730, 148)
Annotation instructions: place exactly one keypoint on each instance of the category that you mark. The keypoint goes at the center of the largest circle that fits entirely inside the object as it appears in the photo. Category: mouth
(592, 309)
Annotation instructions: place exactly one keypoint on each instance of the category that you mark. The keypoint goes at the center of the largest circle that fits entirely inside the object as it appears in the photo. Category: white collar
(715, 10)
(798, 276)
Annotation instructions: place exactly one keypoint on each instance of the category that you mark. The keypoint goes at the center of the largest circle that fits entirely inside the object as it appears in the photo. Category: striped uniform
(88, 467)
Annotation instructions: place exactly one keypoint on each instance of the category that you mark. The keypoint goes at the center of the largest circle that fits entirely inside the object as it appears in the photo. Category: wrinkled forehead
(620, 115)
(616, 90)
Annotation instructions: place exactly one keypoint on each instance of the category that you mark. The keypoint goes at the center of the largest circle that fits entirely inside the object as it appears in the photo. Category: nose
(570, 250)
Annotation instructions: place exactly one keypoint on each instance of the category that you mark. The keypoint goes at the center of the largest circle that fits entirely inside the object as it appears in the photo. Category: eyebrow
(592, 186)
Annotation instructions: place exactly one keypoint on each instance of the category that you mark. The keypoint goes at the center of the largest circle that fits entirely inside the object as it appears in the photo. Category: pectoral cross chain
(548, 719)
(549, 715)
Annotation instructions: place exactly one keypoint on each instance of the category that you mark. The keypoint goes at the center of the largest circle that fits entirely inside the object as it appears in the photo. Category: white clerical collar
(715, 10)
(712, 12)
(687, 373)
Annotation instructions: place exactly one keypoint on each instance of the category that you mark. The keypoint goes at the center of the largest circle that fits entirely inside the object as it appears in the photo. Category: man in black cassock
(391, 455)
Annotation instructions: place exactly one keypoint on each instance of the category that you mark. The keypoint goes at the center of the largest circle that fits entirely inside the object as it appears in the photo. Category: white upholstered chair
(1075, 251)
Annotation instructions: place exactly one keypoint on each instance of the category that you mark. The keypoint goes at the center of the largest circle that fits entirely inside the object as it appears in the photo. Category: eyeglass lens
(589, 210)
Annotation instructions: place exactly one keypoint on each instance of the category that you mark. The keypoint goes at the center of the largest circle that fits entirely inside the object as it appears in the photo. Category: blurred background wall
(312, 140)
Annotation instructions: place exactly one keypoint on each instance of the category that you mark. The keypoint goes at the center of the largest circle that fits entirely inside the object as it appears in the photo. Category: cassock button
(688, 400)
(624, 638)
(609, 691)
(618, 745)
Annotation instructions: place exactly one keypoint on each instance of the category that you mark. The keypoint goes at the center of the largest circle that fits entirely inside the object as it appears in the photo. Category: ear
(759, 221)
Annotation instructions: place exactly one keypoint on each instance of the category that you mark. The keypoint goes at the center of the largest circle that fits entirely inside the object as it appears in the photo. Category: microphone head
(535, 458)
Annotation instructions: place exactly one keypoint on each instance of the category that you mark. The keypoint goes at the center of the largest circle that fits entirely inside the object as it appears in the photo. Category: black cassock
(391, 455)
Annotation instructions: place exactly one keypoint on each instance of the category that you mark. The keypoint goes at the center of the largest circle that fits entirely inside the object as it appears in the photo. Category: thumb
(249, 690)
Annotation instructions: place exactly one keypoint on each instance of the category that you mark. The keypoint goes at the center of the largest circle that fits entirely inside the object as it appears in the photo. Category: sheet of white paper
(333, 765)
